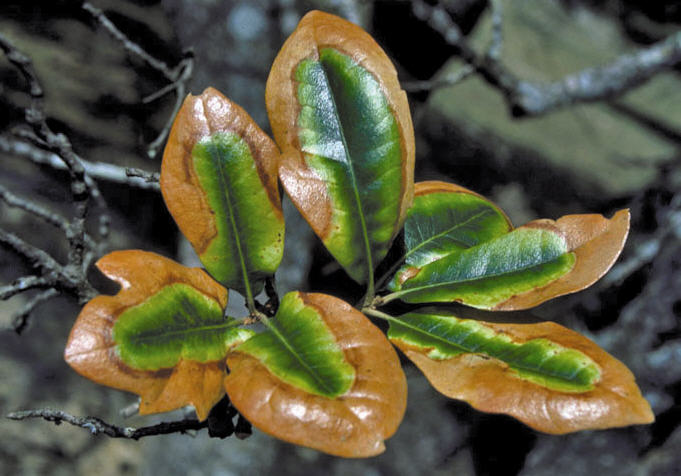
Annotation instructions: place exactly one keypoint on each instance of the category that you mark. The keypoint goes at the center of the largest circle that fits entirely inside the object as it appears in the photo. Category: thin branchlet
(533, 98)
(97, 426)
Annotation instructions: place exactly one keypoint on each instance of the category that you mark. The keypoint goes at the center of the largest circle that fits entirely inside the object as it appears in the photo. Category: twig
(449, 80)
(97, 426)
(148, 177)
(532, 98)
(72, 276)
(646, 252)
(185, 71)
(101, 171)
(178, 76)
(20, 319)
(69, 278)
(37, 257)
(22, 284)
(60, 145)
(128, 44)
(36, 210)
(494, 50)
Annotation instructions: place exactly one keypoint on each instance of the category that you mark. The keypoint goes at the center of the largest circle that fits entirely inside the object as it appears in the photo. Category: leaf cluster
(317, 371)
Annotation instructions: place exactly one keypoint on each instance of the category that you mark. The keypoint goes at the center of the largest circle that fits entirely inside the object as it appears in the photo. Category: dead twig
(97, 426)
(178, 76)
(532, 98)
(100, 171)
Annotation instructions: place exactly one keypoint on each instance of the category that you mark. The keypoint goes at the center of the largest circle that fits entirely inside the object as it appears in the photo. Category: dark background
(600, 157)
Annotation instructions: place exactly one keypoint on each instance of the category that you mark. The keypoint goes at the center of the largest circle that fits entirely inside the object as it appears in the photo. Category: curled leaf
(344, 128)
(219, 181)
(163, 336)
(320, 376)
(545, 375)
(520, 269)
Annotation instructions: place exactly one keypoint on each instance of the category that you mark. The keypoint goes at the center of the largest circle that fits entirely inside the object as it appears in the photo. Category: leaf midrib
(406, 291)
(194, 330)
(225, 198)
(355, 186)
(271, 326)
(447, 231)
(469, 351)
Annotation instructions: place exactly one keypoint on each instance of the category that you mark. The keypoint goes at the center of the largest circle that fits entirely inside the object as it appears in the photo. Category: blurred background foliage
(597, 157)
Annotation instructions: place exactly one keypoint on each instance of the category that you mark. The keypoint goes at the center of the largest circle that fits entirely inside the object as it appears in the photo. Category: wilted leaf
(345, 132)
(445, 218)
(321, 376)
(545, 375)
(163, 336)
(219, 181)
(521, 269)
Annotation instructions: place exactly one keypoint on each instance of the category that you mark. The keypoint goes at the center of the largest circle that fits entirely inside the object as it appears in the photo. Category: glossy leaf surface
(219, 181)
(348, 411)
(300, 349)
(520, 269)
(545, 375)
(445, 218)
(492, 272)
(343, 125)
(163, 336)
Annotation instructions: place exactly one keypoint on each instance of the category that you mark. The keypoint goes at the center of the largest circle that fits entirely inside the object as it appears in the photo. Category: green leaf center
(178, 322)
(299, 348)
(540, 361)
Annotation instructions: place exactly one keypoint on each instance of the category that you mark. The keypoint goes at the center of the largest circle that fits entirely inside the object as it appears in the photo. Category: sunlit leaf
(545, 375)
(322, 376)
(344, 128)
(219, 181)
(163, 336)
(520, 269)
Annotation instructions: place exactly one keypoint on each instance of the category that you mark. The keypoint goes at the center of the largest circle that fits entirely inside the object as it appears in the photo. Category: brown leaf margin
(489, 385)
(597, 243)
(436, 186)
(200, 117)
(353, 425)
(318, 30)
(91, 350)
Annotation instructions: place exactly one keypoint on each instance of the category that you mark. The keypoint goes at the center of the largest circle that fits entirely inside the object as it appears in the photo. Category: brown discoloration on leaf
(407, 274)
(435, 186)
(315, 31)
(596, 242)
(490, 386)
(91, 349)
(200, 117)
(352, 425)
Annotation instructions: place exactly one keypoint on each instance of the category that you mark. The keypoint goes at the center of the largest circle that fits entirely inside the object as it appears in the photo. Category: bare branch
(494, 50)
(36, 210)
(97, 426)
(101, 171)
(35, 256)
(128, 44)
(20, 319)
(532, 98)
(186, 69)
(60, 145)
(448, 80)
(148, 177)
(646, 252)
(178, 76)
(22, 284)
